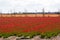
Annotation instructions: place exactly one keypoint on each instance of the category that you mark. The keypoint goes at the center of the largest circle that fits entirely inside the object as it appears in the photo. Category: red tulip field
(29, 25)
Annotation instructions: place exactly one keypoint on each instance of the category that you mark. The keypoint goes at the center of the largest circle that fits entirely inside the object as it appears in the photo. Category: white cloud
(19, 5)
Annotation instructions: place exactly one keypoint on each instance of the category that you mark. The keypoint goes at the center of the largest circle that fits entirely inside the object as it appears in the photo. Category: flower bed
(29, 26)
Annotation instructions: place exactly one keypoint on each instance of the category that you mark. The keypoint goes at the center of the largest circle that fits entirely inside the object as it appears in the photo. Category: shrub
(19, 35)
(49, 34)
(0, 35)
(32, 34)
(43, 35)
(5, 35)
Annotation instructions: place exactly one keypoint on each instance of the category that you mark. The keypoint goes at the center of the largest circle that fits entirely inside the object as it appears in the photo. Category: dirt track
(30, 15)
(35, 38)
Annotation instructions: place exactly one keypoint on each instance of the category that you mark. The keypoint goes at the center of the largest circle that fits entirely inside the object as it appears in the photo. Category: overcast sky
(29, 5)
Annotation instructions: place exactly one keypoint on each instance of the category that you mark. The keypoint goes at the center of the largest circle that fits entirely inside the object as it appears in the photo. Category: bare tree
(25, 12)
(36, 11)
(43, 11)
(58, 11)
(11, 12)
(1, 12)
